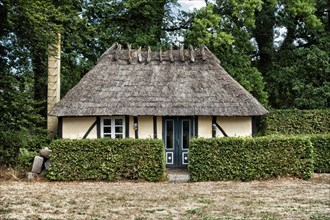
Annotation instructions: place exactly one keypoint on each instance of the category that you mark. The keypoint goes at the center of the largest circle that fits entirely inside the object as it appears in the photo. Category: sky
(189, 5)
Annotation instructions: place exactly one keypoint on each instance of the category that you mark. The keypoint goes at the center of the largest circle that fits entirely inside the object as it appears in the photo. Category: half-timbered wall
(77, 127)
(235, 126)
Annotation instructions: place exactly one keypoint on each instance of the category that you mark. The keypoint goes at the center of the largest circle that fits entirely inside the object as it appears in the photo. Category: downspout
(53, 91)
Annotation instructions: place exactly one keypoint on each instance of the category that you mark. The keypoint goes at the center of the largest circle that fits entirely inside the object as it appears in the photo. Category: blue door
(177, 133)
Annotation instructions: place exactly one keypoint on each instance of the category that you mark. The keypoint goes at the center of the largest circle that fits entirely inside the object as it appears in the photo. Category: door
(177, 133)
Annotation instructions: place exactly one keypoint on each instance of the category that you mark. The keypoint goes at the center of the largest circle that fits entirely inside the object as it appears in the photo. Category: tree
(296, 69)
(226, 32)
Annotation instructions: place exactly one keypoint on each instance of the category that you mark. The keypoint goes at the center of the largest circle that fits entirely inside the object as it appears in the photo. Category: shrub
(12, 141)
(25, 158)
(321, 144)
(250, 158)
(296, 122)
(107, 159)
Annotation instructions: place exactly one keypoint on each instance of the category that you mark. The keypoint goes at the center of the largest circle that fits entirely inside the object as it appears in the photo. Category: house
(173, 95)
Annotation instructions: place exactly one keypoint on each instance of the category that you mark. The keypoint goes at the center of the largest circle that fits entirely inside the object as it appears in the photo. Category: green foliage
(321, 144)
(296, 122)
(294, 61)
(107, 159)
(300, 79)
(250, 158)
(222, 28)
(25, 158)
(12, 141)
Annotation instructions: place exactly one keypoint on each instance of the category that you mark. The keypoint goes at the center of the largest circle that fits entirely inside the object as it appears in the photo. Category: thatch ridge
(173, 82)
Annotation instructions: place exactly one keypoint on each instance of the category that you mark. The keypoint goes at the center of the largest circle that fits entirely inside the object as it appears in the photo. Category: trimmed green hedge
(296, 122)
(250, 158)
(321, 144)
(107, 159)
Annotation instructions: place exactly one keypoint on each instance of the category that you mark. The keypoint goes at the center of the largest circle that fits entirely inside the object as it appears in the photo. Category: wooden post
(139, 55)
(170, 53)
(181, 53)
(192, 54)
(149, 55)
(117, 52)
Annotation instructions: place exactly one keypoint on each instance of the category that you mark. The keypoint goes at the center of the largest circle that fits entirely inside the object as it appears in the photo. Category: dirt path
(273, 199)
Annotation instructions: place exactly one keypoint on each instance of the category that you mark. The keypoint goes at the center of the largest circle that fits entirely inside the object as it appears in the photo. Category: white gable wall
(145, 127)
(235, 126)
(205, 126)
(76, 127)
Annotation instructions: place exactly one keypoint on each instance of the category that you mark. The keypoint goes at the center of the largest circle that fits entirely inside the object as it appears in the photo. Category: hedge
(107, 159)
(250, 158)
(296, 122)
(321, 144)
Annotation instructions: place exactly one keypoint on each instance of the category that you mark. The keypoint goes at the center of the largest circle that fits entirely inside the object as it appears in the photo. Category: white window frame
(113, 126)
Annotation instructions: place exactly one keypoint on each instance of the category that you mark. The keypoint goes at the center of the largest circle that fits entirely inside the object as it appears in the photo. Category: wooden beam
(135, 119)
(126, 126)
(196, 126)
(60, 127)
(214, 121)
(155, 126)
(90, 129)
(98, 126)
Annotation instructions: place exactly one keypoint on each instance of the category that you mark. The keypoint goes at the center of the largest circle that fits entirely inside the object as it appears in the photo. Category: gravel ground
(284, 198)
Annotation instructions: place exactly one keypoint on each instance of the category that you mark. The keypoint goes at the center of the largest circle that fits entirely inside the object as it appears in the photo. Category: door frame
(177, 154)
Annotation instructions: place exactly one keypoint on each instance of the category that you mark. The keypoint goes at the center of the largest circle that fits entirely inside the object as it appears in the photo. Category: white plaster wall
(159, 127)
(205, 126)
(235, 126)
(145, 127)
(131, 127)
(76, 127)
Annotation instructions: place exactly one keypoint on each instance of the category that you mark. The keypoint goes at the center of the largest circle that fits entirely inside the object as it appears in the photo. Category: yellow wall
(146, 127)
(131, 127)
(235, 126)
(76, 127)
(159, 127)
(205, 126)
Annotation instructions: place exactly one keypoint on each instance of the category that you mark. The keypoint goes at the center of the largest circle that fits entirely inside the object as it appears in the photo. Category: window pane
(119, 129)
(185, 134)
(107, 135)
(169, 134)
(119, 136)
(106, 129)
(118, 121)
(107, 121)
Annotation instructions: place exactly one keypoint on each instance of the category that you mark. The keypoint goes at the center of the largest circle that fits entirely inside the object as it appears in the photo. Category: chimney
(53, 92)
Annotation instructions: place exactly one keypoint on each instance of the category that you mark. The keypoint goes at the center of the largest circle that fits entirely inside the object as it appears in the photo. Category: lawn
(284, 198)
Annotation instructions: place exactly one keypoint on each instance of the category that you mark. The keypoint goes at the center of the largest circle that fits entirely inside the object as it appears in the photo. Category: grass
(276, 199)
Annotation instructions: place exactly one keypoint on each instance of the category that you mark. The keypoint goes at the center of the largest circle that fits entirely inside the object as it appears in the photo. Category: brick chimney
(53, 92)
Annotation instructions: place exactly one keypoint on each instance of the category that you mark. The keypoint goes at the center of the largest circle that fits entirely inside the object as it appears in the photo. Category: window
(113, 127)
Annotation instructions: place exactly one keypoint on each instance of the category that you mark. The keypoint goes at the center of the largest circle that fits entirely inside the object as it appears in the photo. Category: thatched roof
(174, 82)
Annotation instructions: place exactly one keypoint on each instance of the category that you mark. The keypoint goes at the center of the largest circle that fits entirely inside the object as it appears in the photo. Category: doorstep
(177, 175)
